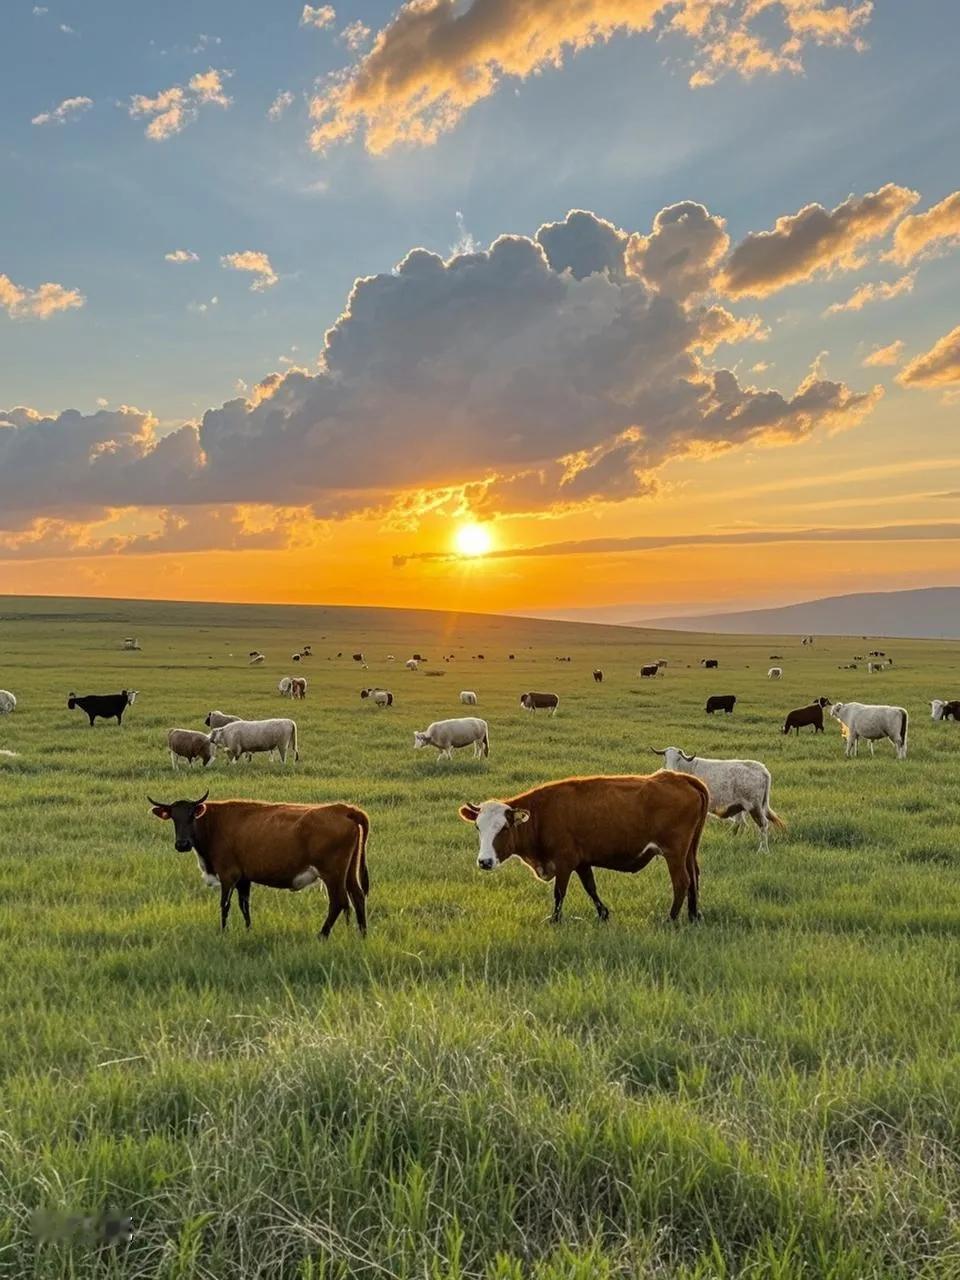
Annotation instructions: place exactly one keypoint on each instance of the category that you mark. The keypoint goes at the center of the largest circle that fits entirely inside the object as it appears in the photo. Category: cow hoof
(603, 916)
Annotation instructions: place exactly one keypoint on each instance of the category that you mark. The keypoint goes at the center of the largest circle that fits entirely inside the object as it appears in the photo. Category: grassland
(471, 1093)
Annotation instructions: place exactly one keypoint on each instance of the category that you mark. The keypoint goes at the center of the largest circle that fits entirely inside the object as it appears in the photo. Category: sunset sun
(473, 540)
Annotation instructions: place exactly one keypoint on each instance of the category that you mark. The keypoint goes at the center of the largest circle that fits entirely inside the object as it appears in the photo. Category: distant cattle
(939, 709)
(598, 675)
(802, 716)
(251, 737)
(412, 664)
(131, 644)
(295, 657)
(570, 827)
(468, 697)
(511, 657)
(710, 663)
(190, 745)
(775, 673)
(449, 735)
(298, 688)
(256, 658)
(378, 697)
(285, 687)
(738, 788)
(649, 670)
(872, 723)
(874, 667)
(418, 657)
(877, 653)
(240, 843)
(8, 702)
(103, 706)
(357, 657)
(217, 719)
(721, 702)
(540, 702)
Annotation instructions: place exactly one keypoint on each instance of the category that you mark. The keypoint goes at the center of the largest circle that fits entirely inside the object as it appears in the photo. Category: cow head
(420, 739)
(497, 824)
(673, 758)
(183, 814)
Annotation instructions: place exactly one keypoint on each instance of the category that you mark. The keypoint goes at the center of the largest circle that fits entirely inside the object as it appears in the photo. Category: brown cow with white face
(618, 823)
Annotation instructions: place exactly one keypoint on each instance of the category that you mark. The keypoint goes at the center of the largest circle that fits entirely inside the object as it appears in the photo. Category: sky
(602, 307)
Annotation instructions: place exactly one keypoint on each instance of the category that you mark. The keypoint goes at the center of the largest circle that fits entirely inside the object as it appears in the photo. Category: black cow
(721, 702)
(710, 663)
(106, 706)
(806, 715)
(598, 675)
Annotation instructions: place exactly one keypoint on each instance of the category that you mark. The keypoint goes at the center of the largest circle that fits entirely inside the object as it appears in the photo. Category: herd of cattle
(560, 829)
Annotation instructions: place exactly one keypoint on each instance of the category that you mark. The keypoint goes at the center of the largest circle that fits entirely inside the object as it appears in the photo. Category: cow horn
(684, 754)
(657, 752)
(156, 803)
(202, 798)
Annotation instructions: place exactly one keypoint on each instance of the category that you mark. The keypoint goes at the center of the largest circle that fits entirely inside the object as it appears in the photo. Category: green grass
(471, 1093)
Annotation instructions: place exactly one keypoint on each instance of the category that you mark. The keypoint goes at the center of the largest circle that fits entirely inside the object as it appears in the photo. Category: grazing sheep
(8, 702)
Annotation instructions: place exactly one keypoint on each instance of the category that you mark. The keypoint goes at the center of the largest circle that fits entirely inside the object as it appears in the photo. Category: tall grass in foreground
(471, 1094)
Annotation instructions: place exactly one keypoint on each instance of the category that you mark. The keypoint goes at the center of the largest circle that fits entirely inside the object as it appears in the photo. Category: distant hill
(930, 613)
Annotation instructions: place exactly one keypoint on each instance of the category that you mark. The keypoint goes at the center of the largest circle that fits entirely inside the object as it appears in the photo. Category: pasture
(471, 1094)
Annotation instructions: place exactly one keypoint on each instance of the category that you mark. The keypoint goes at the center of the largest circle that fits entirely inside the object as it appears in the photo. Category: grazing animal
(775, 673)
(873, 667)
(391, 657)
(379, 697)
(298, 688)
(217, 719)
(721, 702)
(447, 735)
(873, 724)
(418, 657)
(649, 670)
(8, 702)
(511, 657)
(613, 823)
(295, 657)
(877, 653)
(710, 663)
(803, 716)
(939, 709)
(540, 701)
(104, 706)
(776, 657)
(412, 664)
(357, 657)
(468, 697)
(738, 788)
(285, 687)
(131, 644)
(190, 745)
(251, 737)
(598, 676)
(256, 659)
(240, 843)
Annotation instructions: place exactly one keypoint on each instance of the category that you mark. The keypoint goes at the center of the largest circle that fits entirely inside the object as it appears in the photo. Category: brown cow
(284, 846)
(617, 823)
(298, 687)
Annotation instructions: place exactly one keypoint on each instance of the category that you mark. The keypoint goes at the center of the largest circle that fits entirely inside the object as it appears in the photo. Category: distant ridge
(931, 613)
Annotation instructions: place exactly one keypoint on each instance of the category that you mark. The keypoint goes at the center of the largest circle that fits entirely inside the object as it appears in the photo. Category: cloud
(355, 35)
(181, 255)
(323, 15)
(69, 109)
(434, 60)
(682, 252)
(173, 109)
(938, 367)
(879, 292)
(513, 378)
(256, 263)
(924, 233)
(881, 357)
(813, 241)
(40, 303)
(280, 104)
(943, 532)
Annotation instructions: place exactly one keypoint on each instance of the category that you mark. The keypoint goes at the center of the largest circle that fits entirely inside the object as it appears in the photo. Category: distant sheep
(8, 702)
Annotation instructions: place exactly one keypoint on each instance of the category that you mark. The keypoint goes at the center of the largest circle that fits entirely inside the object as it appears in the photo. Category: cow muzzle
(486, 864)
(183, 846)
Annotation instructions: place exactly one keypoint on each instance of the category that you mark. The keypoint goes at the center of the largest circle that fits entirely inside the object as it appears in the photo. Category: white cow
(285, 687)
(256, 659)
(775, 673)
(412, 664)
(8, 702)
(468, 697)
(738, 788)
(873, 724)
(875, 666)
(245, 737)
(446, 735)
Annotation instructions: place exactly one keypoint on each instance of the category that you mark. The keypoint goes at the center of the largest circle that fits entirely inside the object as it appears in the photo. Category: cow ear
(199, 811)
(469, 812)
(158, 811)
(517, 816)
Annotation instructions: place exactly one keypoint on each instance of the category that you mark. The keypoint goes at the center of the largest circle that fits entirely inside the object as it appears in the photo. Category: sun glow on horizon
(474, 540)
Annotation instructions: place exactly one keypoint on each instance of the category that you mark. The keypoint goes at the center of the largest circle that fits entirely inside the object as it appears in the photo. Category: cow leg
(226, 893)
(338, 902)
(585, 873)
(173, 760)
(681, 883)
(693, 892)
(760, 818)
(243, 897)
(560, 882)
(355, 891)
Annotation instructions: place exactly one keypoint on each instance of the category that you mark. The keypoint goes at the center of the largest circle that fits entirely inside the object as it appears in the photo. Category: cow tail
(486, 742)
(359, 863)
(704, 797)
(903, 730)
(770, 815)
(296, 748)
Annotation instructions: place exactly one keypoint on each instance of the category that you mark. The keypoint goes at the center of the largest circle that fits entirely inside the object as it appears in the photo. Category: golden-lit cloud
(938, 367)
(924, 233)
(435, 59)
(281, 103)
(878, 292)
(882, 357)
(40, 303)
(254, 262)
(173, 109)
(181, 256)
(69, 109)
(319, 16)
(814, 241)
